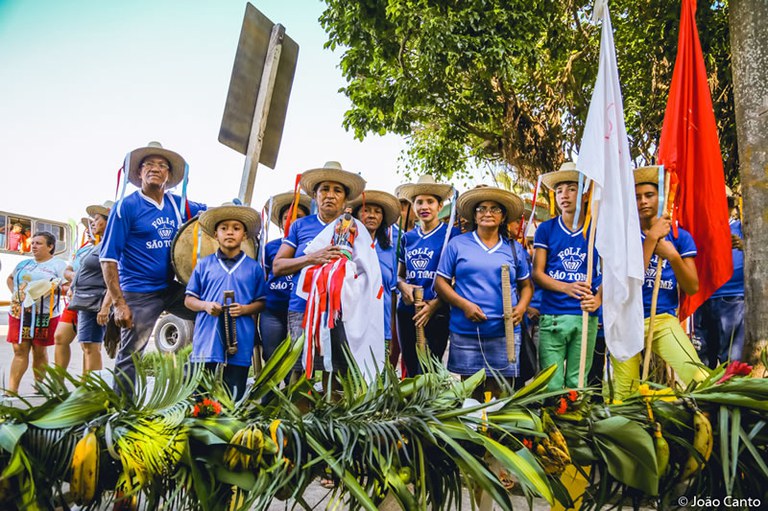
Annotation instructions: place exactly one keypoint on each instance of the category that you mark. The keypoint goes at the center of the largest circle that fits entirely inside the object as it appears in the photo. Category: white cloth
(361, 300)
(604, 158)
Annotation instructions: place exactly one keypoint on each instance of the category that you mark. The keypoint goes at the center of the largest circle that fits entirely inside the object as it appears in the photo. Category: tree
(509, 81)
(748, 20)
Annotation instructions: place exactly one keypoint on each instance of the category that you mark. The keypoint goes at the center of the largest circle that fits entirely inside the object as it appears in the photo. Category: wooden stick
(509, 322)
(418, 302)
(655, 296)
(585, 314)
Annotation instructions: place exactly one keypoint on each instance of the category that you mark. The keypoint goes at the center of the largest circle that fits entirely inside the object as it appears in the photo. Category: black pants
(436, 333)
(235, 378)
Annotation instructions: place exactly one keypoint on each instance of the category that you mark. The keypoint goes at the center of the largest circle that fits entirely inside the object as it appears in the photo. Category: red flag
(689, 146)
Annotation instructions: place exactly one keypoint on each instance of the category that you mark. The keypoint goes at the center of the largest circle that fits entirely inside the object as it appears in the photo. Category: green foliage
(509, 81)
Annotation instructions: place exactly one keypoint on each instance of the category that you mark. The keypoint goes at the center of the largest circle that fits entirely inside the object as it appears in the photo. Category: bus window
(57, 230)
(3, 219)
(18, 235)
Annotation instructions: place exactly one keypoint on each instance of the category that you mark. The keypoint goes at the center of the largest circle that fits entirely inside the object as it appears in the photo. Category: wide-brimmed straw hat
(100, 209)
(177, 163)
(426, 185)
(386, 201)
(648, 174)
(229, 211)
(332, 171)
(283, 200)
(399, 193)
(471, 198)
(567, 174)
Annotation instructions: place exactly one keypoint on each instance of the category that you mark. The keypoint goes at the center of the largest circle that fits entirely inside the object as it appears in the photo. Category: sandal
(327, 483)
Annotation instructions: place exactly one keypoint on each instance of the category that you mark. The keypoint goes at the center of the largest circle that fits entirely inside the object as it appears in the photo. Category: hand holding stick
(418, 302)
(509, 321)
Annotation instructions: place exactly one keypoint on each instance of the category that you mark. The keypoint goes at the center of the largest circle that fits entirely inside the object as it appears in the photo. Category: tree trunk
(749, 54)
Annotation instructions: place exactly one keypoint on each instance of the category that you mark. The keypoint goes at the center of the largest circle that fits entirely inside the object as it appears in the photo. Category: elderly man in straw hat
(273, 322)
(228, 270)
(136, 256)
(560, 269)
(678, 273)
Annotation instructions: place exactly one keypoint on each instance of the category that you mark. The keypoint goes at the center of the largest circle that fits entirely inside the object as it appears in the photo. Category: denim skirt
(467, 354)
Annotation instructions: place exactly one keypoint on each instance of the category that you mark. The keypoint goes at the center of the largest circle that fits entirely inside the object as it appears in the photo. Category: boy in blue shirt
(229, 269)
(560, 270)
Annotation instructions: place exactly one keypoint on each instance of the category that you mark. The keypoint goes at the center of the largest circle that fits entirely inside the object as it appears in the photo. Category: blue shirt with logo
(278, 288)
(735, 286)
(668, 294)
(302, 232)
(387, 263)
(566, 262)
(477, 270)
(210, 278)
(421, 255)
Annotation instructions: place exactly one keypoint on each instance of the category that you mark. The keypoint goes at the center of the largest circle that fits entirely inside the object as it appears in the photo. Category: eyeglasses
(153, 165)
(496, 210)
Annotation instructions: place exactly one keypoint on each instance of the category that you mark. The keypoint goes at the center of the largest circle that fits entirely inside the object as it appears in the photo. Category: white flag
(604, 158)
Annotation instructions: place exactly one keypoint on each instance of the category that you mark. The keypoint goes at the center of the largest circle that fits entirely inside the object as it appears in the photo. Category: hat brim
(649, 175)
(175, 174)
(470, 199)
(388, 203)
(412, 190)
(310, 179)
(244, 214)
(97, 209)
(282, 200)
(552, 179)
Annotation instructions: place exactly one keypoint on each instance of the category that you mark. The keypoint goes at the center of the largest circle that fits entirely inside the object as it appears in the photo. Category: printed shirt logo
(572, 263)
(166, 229)
(420, 262)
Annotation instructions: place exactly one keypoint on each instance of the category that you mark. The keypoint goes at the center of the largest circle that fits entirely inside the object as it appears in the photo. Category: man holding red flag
(689, 147)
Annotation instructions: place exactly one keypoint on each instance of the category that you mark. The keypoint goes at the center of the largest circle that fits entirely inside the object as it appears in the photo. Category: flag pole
(655, 296)
(585, 314)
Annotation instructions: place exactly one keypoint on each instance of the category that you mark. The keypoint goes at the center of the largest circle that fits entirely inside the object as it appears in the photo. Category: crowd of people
(365, 276)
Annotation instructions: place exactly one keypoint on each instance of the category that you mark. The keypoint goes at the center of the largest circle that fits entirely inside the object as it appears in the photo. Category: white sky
(82, 82)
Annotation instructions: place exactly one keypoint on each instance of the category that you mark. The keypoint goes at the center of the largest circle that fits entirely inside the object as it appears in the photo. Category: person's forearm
(289, 266)
(449, 295)
(546, 282)
(194, 304)
(112, 280)
(686, 275)
(106, 303)
(526, 294)
(9, 282)
(253, 308)
(649, 245)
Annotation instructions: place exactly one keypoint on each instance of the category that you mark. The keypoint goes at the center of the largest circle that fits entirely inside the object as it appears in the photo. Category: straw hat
(471, 198)
(283, 200)
(100, 209)
(177, 163)
(332, 171)
(229, 211)
(86, 222)
(566, 174)
(649, 174)
(426, 185)
(399, 193)
(386, 201)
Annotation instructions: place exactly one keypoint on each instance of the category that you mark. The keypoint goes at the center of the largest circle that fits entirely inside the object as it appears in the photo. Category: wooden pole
(585, 314)
(655, 295)
(260, 114)
(418, 302)
(509, 323)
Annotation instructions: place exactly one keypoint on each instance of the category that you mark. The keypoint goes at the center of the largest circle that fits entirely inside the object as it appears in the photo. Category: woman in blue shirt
(379, 211)
(273, 321)
(473, 262)
(420, 254)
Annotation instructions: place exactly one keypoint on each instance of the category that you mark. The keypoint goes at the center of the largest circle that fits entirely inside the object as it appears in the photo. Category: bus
(16, 230)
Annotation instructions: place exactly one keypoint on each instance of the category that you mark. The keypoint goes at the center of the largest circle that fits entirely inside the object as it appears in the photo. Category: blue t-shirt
(668, 294)
(138, 238)
(278, 288)
(209, 280)
(387, 264)
(301, 234)
(735, 286)
(421, 255)
(566, 262)
(477, 270)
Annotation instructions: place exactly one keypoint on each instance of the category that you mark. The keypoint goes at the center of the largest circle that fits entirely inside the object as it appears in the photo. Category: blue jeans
(719, 325)
(146, 308)
(273, 326)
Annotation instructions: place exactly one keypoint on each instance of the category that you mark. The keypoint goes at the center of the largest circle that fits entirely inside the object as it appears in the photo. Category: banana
(662, 450)
(85, 468)
(703, 441)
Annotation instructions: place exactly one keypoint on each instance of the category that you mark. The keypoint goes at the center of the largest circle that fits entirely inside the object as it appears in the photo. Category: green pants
(671, 343)
(560, 343)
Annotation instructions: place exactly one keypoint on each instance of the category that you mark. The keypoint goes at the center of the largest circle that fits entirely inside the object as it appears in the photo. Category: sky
(82, 82)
